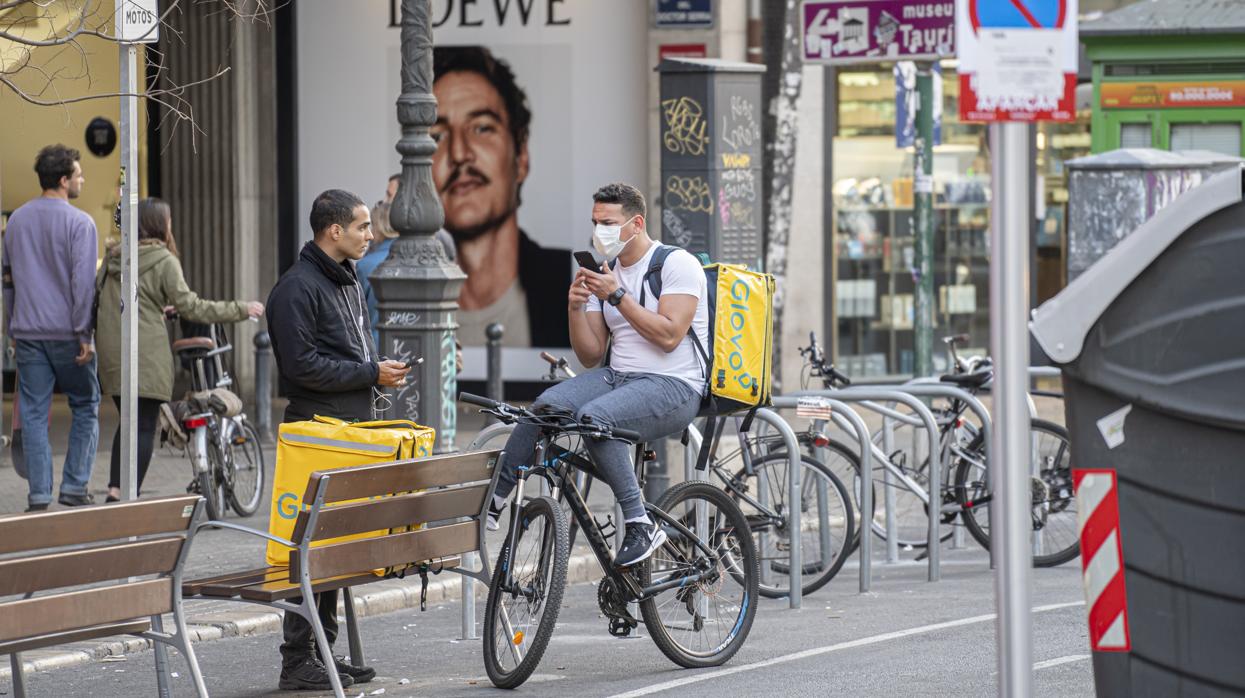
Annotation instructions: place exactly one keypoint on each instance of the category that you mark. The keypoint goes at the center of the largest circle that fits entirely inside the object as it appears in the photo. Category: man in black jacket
(322, 340)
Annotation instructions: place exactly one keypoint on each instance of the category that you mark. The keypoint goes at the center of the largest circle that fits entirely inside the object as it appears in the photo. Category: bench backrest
(388, 499)
(49, 551)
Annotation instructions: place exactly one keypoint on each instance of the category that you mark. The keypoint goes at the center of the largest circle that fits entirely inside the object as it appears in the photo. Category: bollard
(263, 385)
(495, 388)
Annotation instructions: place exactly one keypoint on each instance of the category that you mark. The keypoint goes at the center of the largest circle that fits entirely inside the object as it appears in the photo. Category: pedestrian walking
(49, 259)
(328, 365)
(161, 284)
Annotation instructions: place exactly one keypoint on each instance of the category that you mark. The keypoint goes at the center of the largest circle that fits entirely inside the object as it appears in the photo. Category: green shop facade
(1169, 75)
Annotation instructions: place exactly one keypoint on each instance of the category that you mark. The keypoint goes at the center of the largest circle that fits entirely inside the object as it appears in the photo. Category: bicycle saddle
(969, 380)
(194, 344)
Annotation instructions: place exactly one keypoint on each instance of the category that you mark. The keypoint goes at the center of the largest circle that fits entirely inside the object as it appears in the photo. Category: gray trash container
(1152, 342)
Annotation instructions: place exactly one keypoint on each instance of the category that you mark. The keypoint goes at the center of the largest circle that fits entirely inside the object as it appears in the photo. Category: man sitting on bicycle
(652, 378)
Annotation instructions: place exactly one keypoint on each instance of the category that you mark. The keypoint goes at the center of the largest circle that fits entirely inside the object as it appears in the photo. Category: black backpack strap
(653, 275)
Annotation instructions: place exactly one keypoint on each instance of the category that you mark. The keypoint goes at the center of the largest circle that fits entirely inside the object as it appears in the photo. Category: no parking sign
(1017, 59)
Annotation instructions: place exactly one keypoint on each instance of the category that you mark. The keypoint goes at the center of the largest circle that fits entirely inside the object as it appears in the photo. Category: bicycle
(224, 451)
(965, 491)
(690, 597)
(759, 488)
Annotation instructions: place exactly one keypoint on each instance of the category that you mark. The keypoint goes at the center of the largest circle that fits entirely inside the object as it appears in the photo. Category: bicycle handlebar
(479, 400)
(512, 414)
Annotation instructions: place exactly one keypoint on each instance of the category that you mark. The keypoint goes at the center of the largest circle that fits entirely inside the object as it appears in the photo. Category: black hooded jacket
(322, 339)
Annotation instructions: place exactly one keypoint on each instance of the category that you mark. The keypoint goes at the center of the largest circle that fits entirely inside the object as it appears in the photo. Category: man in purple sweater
(50, 251)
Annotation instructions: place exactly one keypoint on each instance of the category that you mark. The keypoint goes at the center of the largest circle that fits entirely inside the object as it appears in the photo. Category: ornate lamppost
(417, 286)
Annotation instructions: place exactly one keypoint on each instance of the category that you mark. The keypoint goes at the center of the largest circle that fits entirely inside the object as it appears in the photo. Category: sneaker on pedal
(310, 675)
(640, 540)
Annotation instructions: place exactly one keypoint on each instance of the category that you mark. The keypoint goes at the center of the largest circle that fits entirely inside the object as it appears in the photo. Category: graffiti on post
(406, 398)
(690, 194)
(737, 200)
(449, 391)
(673, 229)
(686, 128)
(740, 131)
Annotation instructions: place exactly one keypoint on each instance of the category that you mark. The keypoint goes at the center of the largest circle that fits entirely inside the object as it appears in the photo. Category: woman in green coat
(160, 284)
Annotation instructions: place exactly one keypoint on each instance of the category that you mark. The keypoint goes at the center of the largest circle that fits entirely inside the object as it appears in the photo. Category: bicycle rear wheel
(211, 483)
(1053, 506)
(519, 620)
(701, 623)
(827, 523)
(246, 475)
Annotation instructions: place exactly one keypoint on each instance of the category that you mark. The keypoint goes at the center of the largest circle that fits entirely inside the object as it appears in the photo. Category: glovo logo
(738, 318)
(288, 506)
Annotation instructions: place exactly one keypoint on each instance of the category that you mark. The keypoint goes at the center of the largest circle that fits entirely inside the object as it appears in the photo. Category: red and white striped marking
(1102, 558)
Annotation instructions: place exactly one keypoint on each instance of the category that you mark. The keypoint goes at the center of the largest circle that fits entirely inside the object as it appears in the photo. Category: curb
(383, 597)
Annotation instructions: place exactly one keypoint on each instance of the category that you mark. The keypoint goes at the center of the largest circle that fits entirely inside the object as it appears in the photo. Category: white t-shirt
(631, 352)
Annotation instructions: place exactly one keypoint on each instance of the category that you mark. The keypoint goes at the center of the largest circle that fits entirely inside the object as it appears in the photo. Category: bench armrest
(245, 529)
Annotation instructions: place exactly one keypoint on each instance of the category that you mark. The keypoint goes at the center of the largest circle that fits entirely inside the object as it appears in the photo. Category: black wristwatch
(616, 297)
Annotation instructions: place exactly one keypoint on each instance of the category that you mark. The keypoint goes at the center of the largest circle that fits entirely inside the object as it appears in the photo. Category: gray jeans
(650, 404)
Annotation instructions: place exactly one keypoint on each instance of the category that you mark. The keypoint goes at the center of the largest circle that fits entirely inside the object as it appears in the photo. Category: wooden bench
(448, 495)
(140, 547)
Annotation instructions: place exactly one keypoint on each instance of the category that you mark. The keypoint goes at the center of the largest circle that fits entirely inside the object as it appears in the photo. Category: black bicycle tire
(820, 581)
(982, 537)
(209, 483)
(552, 603)
(648, 608)
(261, 476)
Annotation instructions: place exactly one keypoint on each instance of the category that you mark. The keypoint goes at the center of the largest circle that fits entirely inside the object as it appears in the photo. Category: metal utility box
(710, 139)
(1112, 194)
(1152, 343)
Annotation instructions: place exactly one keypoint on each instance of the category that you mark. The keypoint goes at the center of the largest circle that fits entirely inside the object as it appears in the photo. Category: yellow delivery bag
(325, 444)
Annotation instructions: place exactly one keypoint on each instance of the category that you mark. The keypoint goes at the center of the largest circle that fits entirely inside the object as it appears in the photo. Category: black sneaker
(310, 675)
(37, 508)
(360, 674)
(76, 500)
(639, 542)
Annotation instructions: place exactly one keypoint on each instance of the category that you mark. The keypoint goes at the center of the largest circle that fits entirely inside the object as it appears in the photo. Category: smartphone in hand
(587, 261)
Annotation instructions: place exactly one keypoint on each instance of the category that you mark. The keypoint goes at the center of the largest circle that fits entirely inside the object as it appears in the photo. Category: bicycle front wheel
(245, 477)
(826, 522)
(520, 614)
(702, 622)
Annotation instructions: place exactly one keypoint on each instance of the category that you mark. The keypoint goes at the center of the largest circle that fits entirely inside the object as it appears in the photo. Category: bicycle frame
(557, 471)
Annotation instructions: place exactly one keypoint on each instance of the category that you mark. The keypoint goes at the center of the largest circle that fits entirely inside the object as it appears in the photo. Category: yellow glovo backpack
(325, 443)
(741, 334)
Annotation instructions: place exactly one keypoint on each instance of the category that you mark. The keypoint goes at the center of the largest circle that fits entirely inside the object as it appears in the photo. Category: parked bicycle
(696, 593)
(223, 446)
(965, 492)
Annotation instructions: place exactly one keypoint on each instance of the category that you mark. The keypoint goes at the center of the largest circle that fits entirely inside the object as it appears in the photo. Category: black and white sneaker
(639, 542)
(493, 521)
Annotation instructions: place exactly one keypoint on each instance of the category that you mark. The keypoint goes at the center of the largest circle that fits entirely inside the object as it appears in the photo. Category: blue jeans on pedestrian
(41, 365)
(651, 404)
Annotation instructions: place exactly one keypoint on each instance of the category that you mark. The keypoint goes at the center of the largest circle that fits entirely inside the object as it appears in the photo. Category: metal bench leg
(186, 648)
(322, 640)
(19, 674)
(468, 591)
(352, 629)
(163, 689)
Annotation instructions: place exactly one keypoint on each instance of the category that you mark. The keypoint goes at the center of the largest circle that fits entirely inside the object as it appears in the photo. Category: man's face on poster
(477, 169)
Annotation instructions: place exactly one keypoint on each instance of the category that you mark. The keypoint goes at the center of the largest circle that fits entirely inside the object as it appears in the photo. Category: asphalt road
(907, 637)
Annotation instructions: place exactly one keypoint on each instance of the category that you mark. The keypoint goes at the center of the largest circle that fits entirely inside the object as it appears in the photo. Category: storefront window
(874, 229)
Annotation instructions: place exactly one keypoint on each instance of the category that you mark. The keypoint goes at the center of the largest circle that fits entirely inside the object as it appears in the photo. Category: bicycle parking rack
(868, 397)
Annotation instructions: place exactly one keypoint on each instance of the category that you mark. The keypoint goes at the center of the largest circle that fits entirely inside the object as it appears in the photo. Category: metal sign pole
(923, 198)
(129, 272)
(1009, 449)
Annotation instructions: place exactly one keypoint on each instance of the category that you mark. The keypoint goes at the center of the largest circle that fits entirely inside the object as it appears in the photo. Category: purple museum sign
(867, 31)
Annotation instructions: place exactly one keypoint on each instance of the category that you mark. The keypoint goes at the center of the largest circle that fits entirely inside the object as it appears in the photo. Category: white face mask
(607, 239)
